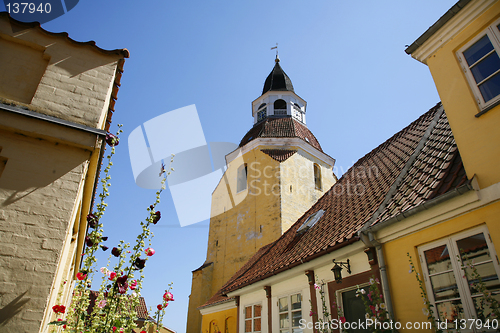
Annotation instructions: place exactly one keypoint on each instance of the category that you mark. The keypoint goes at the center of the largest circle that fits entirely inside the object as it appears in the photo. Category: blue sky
(345, 58)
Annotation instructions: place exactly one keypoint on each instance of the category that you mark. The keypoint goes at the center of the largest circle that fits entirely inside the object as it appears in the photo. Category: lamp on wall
(337, 269)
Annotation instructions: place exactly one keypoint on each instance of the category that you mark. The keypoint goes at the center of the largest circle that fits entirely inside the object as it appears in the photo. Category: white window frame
(462, 283)
(291, 328)
(493, 34)
(252, 318)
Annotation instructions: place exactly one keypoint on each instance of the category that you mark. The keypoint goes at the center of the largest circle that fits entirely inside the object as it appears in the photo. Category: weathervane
(276, 47)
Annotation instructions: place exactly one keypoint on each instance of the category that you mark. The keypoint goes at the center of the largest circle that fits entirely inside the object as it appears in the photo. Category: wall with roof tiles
(477, 138)
(55, 76)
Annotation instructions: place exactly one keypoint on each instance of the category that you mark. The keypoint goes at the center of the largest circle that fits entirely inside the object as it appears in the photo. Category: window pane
(450, 310)
(490, 88)
(248, 325)
(353, 308)
(474, 248)
(488, 276)
(284, 320)
(486, 67)
(248, 312)
(257, 309)
(256, 325)
(283, 304)
(478, 50)
(483, 309)
(296, 299)
(438, 259)
(444, 286)
(296, 316)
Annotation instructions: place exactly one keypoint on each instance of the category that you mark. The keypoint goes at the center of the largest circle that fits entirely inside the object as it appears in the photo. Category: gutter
(50, 119)
(293, 265)
(436, 26)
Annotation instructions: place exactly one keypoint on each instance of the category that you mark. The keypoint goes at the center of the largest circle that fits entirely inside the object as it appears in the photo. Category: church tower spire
(278, 98)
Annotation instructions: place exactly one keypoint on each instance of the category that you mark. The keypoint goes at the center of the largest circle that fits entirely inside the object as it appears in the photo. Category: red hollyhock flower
(112, 140)
(133, 285)
(139, 263)
(158, 306)
(116, 252)
(156, 217)
(92, 220)
(81, 276)
(149, 251)
(55, 308)
(112, 276)
(122, 284)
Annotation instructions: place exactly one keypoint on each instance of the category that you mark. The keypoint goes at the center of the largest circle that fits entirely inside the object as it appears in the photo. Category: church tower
(278, 172)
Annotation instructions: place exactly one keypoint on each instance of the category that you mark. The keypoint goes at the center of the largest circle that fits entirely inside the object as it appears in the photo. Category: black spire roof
(277, 80)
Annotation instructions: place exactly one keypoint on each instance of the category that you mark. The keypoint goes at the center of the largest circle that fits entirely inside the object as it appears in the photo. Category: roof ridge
(397, 182)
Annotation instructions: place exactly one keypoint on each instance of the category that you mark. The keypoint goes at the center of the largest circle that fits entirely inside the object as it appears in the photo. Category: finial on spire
(277, 57)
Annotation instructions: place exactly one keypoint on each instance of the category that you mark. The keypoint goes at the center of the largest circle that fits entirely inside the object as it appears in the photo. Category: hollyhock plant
(115, 305)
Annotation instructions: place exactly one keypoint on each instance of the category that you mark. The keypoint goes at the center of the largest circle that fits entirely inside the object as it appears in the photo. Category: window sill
(487, 109)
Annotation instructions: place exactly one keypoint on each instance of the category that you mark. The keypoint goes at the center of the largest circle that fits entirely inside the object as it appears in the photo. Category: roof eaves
(436, 26)
(123, 52)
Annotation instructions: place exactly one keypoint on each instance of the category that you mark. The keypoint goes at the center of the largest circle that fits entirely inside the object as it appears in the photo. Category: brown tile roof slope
(437, 169)
(279, 155)
(280, 127)
(348, 205)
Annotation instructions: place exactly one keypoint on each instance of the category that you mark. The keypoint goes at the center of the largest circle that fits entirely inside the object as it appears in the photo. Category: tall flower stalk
(113, 308)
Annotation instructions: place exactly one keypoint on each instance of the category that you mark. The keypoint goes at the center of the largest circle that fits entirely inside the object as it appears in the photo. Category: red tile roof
(281, 127)
(421, 161)
(279, 155)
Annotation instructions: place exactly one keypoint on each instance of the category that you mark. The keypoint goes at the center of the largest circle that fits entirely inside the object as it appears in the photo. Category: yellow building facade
(462, 51)
(278, 172)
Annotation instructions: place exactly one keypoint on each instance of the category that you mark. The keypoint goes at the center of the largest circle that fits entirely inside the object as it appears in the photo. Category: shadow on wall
(12, 309)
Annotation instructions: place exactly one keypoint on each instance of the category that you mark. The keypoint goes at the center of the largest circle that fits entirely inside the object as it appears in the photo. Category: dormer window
(280, 107)
(481, 63)
(311, 221)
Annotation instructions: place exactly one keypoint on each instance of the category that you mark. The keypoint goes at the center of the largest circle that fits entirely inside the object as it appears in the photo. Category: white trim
(218, 307)
(282, 143)
(494, 36)
(445, 211)
(451, 29)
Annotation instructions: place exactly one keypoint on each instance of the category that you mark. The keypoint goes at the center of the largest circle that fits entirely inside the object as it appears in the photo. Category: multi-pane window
(453, 295)
(481, 62)
(290, 313)
(253, 314)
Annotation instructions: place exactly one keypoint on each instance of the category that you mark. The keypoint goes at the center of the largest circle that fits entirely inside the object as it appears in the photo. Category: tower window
(280, 107)
(317, 176)
(262, 113)
(242, 178)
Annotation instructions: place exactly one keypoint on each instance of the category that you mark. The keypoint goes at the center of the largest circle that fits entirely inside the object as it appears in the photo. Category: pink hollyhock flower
(150, 251)
(168, 296)
(104, 270)
(112, 276)
(80, 276)
(316, 286)
(114, 328)
(133, 284)
(102, 304)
